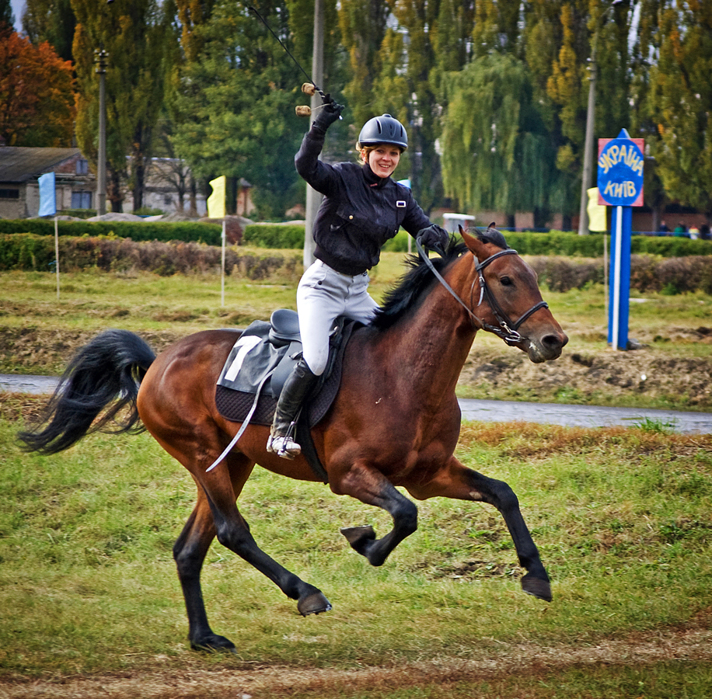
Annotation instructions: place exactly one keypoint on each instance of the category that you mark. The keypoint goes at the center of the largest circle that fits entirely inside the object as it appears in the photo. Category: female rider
(362, 208)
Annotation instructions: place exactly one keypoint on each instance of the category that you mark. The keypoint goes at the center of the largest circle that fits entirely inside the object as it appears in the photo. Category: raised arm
(318, 174)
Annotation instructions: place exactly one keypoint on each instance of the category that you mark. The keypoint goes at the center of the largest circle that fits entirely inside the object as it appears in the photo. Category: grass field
(622, 518)
(90, 603)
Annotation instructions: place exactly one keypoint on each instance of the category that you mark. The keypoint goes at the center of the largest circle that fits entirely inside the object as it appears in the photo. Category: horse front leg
(233, 532)
(372, 488)
(459, 482)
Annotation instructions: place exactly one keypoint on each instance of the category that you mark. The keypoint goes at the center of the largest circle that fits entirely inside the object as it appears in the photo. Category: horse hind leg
(372, 488)
(189, 554)
(216, 514)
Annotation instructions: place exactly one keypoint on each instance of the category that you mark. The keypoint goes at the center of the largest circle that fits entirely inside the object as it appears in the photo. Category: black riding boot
(298, 384)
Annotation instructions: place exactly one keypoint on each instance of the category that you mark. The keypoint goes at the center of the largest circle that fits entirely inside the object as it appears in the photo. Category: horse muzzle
(546, 347)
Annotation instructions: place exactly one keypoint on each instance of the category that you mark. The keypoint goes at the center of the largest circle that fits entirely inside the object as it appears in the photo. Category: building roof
(21, 164)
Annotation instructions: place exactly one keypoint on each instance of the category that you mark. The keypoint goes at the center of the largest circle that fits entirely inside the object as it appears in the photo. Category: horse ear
(474, 245)
(492, 226)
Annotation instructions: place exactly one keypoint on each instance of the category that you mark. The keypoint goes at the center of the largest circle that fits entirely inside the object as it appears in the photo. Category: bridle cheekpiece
(506, 330)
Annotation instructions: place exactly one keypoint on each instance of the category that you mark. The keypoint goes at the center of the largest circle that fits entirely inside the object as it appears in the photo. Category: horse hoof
(358, 537)
(315, 603)
(213, 644)
(537, 587)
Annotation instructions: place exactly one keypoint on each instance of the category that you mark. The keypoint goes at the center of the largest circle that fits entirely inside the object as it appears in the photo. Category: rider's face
(383, 159)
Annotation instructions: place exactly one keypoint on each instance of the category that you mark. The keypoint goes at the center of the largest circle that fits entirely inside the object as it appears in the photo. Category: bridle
(507, 330)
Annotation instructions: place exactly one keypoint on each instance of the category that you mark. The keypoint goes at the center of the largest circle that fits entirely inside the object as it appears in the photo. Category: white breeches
(322, 296)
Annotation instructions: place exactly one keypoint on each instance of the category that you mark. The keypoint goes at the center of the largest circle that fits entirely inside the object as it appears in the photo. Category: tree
(416, 98)
(559, 36)
(52, 21)
(236, 102)
(680, 102)
(7, 18)
(136, 34)
(496, 153)
(363, 28)
(36, 97)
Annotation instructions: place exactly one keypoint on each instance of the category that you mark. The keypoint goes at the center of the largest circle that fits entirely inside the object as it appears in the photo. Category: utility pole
(101, 57)
(314, 197)
(587, 177)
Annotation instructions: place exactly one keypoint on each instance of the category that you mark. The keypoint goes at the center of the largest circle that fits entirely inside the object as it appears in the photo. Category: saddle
(258, 365)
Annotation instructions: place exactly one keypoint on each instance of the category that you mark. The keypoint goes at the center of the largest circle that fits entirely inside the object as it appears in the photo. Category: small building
(20, 169)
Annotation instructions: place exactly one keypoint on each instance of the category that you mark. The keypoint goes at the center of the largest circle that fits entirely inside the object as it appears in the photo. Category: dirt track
(523, 659)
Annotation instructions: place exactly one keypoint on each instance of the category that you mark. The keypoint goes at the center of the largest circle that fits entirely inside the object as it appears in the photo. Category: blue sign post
(620, 184)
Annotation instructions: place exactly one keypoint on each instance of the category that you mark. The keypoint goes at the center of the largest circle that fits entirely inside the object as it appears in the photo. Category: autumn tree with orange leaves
(36, 97)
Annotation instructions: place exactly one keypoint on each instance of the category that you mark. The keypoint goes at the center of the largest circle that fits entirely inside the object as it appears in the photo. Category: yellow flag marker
(596, 212)
(216, 201)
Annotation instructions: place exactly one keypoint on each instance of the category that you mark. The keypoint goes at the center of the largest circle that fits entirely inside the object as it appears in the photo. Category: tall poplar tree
(136, 35)
(680, 102)
(363, 28)
(416, 102)
(52, 21)
(7, 18)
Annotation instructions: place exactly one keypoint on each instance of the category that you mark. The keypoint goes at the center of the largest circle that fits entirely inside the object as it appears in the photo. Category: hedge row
(187, 231)
(288, 236)
(526, 243)
(26, 251)
(291, 236)
(32, 252)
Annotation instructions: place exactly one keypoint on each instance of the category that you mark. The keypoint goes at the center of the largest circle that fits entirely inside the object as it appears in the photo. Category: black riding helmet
(383, 129)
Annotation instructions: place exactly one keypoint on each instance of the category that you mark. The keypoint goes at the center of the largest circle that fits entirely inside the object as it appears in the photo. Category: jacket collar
(372, 179)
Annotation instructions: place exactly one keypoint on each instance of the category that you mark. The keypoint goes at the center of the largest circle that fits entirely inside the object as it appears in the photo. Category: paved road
(490, 410)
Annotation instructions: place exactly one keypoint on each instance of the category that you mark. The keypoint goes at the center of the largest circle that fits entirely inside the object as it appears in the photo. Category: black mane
(414, 284)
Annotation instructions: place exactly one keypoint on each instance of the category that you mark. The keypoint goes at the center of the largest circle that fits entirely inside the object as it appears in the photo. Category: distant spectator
(704, 232)
(681, 231)
(663, 227)
(694, 231)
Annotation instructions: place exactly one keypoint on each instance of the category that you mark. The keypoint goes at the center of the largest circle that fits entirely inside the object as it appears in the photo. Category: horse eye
(505, 281)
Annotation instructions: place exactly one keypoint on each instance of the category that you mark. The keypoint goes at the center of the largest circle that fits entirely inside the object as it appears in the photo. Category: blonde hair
(365, 151)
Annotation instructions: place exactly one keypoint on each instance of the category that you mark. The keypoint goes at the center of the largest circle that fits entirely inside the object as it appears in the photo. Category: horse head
(506, 299)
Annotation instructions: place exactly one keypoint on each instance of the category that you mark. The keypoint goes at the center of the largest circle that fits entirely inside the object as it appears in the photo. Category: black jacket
(360, 211)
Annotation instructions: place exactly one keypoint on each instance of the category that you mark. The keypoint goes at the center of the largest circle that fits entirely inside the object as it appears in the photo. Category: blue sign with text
(620, 170)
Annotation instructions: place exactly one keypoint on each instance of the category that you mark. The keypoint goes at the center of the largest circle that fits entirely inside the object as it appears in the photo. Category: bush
(574, 245)
(32, 252)
(672, 275)
(136, 230)
(286, 236)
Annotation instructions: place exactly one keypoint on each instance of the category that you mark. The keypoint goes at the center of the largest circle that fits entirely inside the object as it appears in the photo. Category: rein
(507, 330)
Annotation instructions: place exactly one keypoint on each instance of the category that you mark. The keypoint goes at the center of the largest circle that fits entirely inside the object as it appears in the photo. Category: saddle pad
(234, 405)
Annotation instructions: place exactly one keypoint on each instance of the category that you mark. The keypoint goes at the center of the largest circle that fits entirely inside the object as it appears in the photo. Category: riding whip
(308, 88)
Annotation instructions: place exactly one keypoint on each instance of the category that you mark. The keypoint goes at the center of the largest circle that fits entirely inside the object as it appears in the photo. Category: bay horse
(394, 422)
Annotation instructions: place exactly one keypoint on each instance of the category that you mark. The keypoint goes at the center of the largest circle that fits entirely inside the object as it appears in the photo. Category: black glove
(434, 237)
(328, 114)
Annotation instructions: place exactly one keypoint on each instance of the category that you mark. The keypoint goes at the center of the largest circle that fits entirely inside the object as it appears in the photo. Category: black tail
(107, 371)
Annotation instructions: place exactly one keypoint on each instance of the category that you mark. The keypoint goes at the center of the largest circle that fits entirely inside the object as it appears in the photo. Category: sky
(18, 8)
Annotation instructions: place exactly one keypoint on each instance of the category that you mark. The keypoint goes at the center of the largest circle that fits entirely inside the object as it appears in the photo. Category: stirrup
(284, 446)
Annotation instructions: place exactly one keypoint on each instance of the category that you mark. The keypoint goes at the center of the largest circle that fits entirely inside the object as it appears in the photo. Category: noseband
(507, 330)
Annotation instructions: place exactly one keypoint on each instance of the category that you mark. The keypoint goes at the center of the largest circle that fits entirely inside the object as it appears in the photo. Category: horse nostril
(554, 341)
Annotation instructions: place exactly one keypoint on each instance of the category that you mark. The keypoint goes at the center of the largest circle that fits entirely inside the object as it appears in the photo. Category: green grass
(87, 581)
